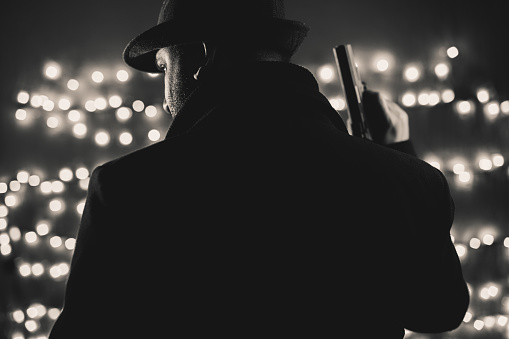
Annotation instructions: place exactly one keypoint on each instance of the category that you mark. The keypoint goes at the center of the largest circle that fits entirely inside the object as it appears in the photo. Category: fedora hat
(243, 21)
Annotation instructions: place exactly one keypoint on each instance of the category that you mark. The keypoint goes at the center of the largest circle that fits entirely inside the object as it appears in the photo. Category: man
(259, 215)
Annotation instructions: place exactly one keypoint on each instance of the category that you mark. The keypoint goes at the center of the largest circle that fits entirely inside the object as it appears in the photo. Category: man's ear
(209, 60)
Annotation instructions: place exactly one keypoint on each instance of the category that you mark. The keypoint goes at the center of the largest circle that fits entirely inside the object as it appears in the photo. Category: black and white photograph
(254, 169)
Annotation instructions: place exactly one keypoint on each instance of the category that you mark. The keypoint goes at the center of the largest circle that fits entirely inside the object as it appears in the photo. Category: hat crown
(212, 10)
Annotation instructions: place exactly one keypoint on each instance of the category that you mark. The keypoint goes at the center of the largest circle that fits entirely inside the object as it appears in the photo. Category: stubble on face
(179, 64)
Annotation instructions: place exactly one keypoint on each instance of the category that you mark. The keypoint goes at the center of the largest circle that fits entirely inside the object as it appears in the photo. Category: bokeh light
(125, 138)
(452, 52)
(52, 70)
(102, 138)
(412, 73)
(97, 76)
(327, 73)
(154, 135)
(138, 105)
(23, 97)
(122, 75)
(73, 84)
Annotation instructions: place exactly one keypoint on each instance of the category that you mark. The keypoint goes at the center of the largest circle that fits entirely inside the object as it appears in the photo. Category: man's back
(260, 215)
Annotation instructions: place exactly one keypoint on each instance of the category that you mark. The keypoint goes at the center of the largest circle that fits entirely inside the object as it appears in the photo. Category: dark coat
(259, 216)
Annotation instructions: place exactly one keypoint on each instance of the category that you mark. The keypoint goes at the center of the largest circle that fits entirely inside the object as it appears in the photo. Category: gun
(353, 89)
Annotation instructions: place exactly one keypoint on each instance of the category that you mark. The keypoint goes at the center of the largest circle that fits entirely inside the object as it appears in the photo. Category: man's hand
(387, 122)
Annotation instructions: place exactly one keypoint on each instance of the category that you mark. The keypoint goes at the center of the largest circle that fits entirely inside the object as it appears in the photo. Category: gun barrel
(352, 87)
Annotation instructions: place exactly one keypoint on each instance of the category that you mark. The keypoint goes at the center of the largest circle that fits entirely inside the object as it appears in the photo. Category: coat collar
(260, 79)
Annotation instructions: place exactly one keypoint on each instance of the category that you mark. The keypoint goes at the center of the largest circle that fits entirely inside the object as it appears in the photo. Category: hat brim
(286, 35)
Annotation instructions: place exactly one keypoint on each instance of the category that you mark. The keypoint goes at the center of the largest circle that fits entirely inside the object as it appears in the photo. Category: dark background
(86, 32)
(86, 35)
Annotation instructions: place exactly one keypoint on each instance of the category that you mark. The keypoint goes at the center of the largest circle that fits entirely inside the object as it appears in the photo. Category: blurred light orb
(4, 211)
(326, 73)
(461, 250)
(475, 243)
(484, 293)
(488, 239)
(125, 138)
(56, 205)
(82, 173)
(70, 243)
(339, 104)
(36, 101)
(123, 113)
(21, 114)
(138, 105)
(73, 84)
(4, 239)
(423, 98)
(25, 270)
(37, 270)
(491, 110)
(46, 187)
(54, 271)
(498, 160)
(6, 249)
(65, 174)
(452, 52)
(468, 317)
(433, 98)
(3, 224)
(74, 115)
(55, 241)
(84, 183)
(64, 104)
(408, 99)
(122, 75)
(31, 325)
(458, 168)
(502, 320)
(464, 177)
(442, 70)
(412, 74)
(90, 106)
(483, 95)
(97, 76)
(34, 180)
(154, 135)
(3, 187)
(115, 101)
(79, 130)
(18, 316)
(504, 107)
(42, 229)
(10, 200)
(22, 177)
(31, 237)
(48, 105)
(382, 65)
(23, 97)
(478, 324)
(15, 233)
(100, 103)
(151, 111)
(14, 185)
(448, 95)
(485, 164)
(52, 122)
(64, 268)
(102, 138)
(80, 207)
(52, 70)
(57, 186)
(464, 107)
